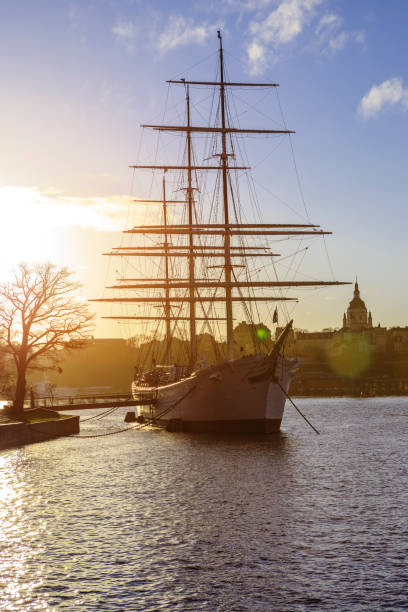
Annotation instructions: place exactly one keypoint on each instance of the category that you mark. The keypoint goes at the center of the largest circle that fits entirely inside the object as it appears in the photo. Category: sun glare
(32, 220)
(27, 235)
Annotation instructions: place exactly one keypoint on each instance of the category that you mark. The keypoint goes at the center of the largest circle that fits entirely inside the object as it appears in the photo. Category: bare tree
(40, 313)
(5, 373)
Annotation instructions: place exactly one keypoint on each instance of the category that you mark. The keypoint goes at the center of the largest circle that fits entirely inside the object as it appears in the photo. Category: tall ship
(206, 264)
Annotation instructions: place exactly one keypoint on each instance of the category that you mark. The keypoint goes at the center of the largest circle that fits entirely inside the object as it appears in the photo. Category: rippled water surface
(147, 520)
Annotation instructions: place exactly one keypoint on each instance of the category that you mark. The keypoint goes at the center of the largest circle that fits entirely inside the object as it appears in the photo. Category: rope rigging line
(288, 206)
(253, 107)
(299, 411)
(212, 54)
(328, 258)
(238, 210)
(294, 159)
(279, 261)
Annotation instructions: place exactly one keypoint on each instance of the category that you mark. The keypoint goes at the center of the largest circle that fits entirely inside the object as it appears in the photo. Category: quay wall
(17, 434)
(331, 386)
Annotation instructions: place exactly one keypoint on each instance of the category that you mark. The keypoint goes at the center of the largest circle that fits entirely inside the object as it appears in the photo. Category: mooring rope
(111, 433)
(139, 425)
(100, 415)
(299, 411)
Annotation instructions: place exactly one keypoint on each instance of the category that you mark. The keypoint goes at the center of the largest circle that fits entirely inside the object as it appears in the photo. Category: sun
(27, 228)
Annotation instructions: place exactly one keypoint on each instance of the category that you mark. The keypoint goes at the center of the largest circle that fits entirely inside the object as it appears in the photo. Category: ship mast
(191, 271)
(167, 307)
(204, 290)
(227, 237)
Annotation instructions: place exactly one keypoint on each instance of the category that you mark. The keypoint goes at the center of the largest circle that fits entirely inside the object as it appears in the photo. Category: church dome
(357, 302)
(356, 317)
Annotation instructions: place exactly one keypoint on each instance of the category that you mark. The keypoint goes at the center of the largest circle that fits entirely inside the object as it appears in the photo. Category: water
(147, 520)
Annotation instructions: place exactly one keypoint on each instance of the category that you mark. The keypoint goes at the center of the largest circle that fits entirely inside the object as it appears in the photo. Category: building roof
(357, 302)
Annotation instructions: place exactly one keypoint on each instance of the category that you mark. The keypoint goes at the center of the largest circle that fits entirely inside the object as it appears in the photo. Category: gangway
(87, 402)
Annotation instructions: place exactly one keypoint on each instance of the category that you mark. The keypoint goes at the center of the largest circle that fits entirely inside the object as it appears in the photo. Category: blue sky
(79, 77)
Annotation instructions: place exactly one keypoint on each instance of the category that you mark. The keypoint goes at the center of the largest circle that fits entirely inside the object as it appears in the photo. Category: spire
(344, 320)
(356, 289)
(370, 319)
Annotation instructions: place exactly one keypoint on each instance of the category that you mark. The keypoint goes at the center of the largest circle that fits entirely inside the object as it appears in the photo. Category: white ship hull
(238, 396)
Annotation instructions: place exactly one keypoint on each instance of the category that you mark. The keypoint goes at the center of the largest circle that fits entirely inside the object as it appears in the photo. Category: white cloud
(247, 5)
(257, 57)
(329, 21)
(280, 27)
(337, 43)
(388, 93)
(124, 29)
(180, 31)
(331, 38)
(286, 22)
(360, 37)
(49, 211)
(125, 33)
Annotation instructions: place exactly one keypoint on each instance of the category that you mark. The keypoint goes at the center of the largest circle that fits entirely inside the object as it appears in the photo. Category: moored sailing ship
(206, 261)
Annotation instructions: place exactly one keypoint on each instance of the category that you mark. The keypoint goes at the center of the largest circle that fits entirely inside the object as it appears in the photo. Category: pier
(87, 402)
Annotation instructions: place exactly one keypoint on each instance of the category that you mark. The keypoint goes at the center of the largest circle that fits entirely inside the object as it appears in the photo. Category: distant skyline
(80, 77)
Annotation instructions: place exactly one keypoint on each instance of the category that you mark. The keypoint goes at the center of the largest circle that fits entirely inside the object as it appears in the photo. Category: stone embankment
(39, 425)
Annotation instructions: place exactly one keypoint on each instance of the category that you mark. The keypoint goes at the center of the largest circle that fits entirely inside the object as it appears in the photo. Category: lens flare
(350, 355)
(262, 333)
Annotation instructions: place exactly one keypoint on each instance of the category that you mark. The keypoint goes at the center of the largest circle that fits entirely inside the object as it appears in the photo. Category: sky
(79, 77)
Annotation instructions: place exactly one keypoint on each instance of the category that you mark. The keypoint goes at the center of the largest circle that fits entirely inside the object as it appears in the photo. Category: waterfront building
(356, 358)
(330, 360)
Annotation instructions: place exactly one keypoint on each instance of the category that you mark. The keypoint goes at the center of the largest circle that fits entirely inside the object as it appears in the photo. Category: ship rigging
(195, 232)
(217, 252)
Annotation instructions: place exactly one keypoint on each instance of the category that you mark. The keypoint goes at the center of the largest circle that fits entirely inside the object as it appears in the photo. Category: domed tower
(356, 317)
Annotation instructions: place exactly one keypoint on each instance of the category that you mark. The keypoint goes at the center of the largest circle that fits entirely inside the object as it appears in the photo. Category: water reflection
(156, 521)
(20, 536)
(275, 441)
